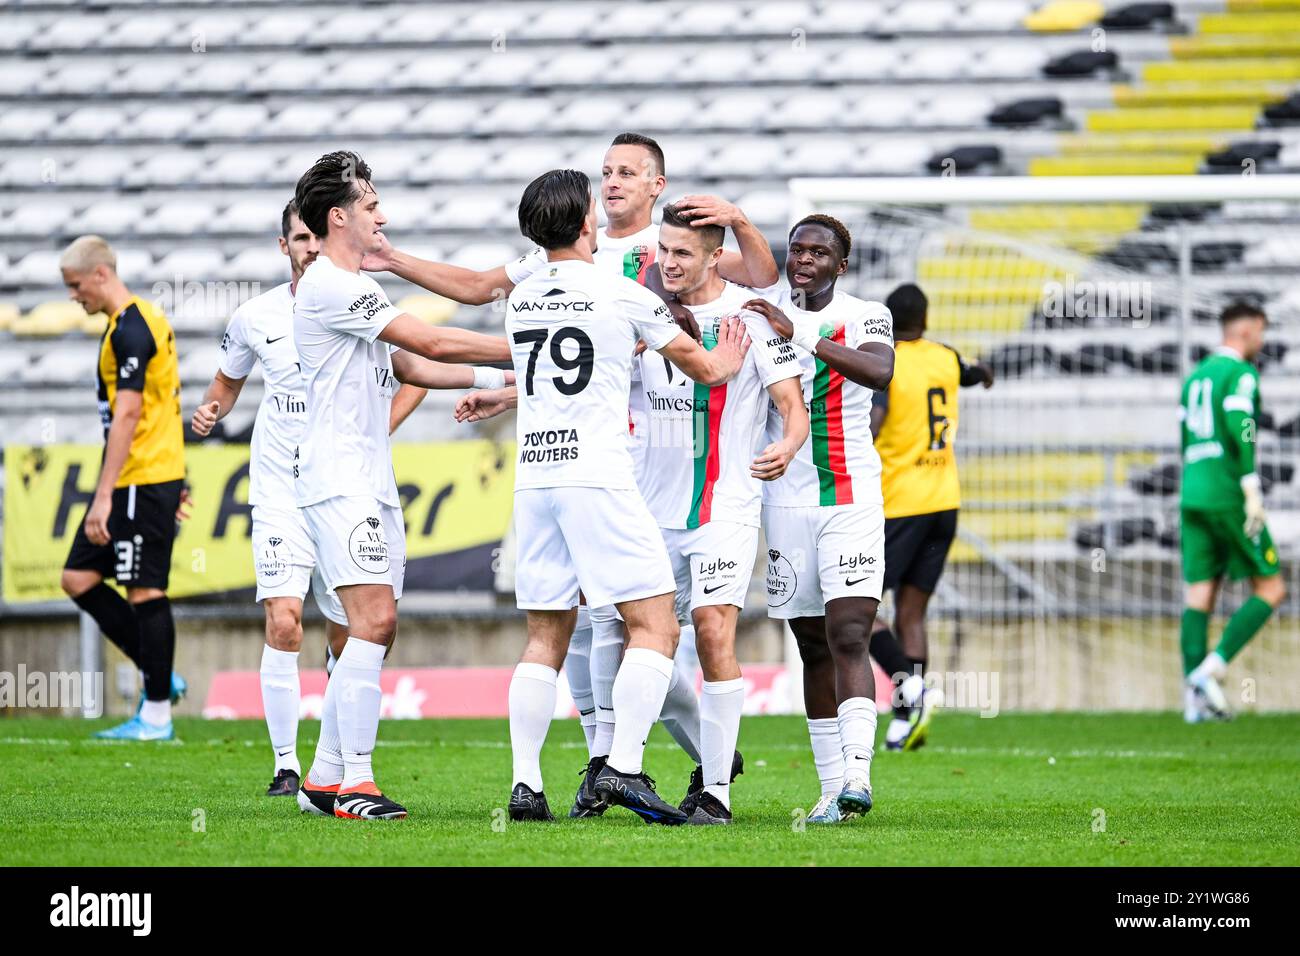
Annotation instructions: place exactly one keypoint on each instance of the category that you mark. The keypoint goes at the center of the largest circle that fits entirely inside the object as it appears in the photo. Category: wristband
(806, 337)
(487, 377)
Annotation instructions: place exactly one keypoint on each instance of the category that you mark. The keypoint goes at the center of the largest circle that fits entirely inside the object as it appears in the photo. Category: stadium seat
(353, 73)
(718, 63)
(789, 64)
(873, 62)
(433, 309)
(1081, 63)
(287, 29)
(287, 74)
(923, 16)
(143, 33)
(261, 263)
(522, 163)
(568, 22)
(750, 158)
(69, 33)
(956, 110)
(433, 73)
(685, 157)
(513, 66)
(779, 18)
(149, 76)
(26, 124)
(821, 156)
(377, 119)
(38, 268)
(49, 319)
(457, 161)
(1007, 61)
(895, 157)
(37, 217)
(473, 210)
(164, 122)
(166, 168)
(767, 209)
(353, 28)
(740, 110)
(393, 163)
(515, 116)
(849, 17)
(91, 123)
(99, 168)
(424, 24)
(109, 217)
(408, 212)
(1000, 16)
(217, 75)
(882, 107)
(255, 216)
(629, 20)
(182, 217)
(133, 264)
(9, 312)
(1064, 15)
(190, 265)
(303, 119)
(445, 115)
(662, 112)
(938, 61)
(197, 363)
(702, 19)
(583, 67)
(18, 32)
(20, 77)
(234, 121)
(816, 110)
(66, 364)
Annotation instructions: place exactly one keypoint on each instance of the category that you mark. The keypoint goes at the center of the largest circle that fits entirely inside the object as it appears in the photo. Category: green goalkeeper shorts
(1215, 542)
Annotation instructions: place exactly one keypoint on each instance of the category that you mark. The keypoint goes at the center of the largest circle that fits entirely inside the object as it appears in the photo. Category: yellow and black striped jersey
(138, 353)
(918, 465)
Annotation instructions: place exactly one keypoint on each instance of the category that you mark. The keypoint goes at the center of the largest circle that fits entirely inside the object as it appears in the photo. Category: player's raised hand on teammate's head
(710, 211)
(205, 418)
(381, 260)
(780, 322)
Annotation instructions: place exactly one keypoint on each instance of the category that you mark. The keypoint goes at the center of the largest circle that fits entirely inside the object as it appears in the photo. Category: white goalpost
(1091, 297)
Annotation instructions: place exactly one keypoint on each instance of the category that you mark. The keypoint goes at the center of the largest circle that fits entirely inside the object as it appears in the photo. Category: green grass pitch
(1059, 789)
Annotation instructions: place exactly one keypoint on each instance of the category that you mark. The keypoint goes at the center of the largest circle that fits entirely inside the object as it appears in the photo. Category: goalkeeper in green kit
(1222, 509)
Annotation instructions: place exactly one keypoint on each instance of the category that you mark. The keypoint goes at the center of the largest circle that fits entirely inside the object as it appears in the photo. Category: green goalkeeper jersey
(1218, 430)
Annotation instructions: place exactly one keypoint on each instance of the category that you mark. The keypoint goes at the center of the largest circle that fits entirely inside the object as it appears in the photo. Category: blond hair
(86, 253)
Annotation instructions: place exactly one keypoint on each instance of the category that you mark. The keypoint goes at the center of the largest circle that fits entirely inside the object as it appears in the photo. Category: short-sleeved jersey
(138, 353)
(915, 444)
(348, 380)
(1219, 402)
(838, 464)
(573, 329)
(261, 330)
(699, 442)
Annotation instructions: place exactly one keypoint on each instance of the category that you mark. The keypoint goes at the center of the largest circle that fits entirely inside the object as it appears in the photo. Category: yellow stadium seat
(1248, 5)
(1174, 118)
(433, 309)
(951, 317)
(1257, 23)
(1098, 218)
(1075, 144)
(1228, 69)
(1046, 477)
(1118, 165)
(9, 314)
(979, 266)
(1000, 526)
(1059, 15)
(50, 319)
(1241, 45)
(1200, 94)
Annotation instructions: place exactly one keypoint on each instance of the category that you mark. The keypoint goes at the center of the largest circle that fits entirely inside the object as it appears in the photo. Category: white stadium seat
(19, 77)
(577, 68)
(1013, 61)
(286, 74)
(190, 265)
(154, 74)
(850, 17)
(739, 110)
(655, 63)
(445, 116)
(70, 33)
(449, 68)
(590, 114)
(218, 30)
(791, 64)
(133, 264)
(662, 111)
(80, 77)
(513, 66)
(376, 118)
(288, 28)
(779, 19)
(703, 19)
(473, 210)
(165, 122)
(923, 16)
(895, 156)
(394, 162)
(351, 27)
(236, 121)
(169, 168)
(527, 161)
(182, 217)
(63, 364)
(351, 73)
(100, 168)
(26, 124)
(198, 362)
(262, 263)
(18, 32)
(631, 20)
(144, 33)
(303, 119)
(995, 15)
(716, 63)
(218, 74)
(868, 62)
(686, 157)
(247, 216)
(956, 109)
(90, 123)
(424, 24)
(110, 218)
(819, 109)
(457, 161)
(750, 157)
(821, 156)
(37, 217)
(568, 22)
(39, 268)
(482, 255)
(939, 61)
(766, 207)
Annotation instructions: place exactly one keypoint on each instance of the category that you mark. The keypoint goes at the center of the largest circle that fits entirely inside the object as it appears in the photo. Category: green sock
(1194, 638)
(1242, 626)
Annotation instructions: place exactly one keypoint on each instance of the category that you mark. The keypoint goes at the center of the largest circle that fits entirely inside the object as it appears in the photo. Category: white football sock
(156, 712)
(327, 764)
(681, 714)
(910, 689)
(577, 670)
(1213, 666)
(281, 694)
(639, 691)
(357, 674)
(606, 653)
(720, 706)
(857, 719)
(532, 704)
(828, 753)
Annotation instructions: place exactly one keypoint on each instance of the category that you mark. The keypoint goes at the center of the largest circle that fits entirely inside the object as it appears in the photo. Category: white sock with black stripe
(359, 698)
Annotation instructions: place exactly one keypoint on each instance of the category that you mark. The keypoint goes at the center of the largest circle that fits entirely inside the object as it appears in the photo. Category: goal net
(1090, 298)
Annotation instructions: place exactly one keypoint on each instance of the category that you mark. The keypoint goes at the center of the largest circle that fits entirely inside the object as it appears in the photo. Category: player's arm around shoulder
(416, 370)
(468, 286)
(441, 344)
(711, 367)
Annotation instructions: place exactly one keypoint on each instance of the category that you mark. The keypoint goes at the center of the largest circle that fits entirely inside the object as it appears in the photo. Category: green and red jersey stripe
(827, 420)
(637, 270)
(708, 450)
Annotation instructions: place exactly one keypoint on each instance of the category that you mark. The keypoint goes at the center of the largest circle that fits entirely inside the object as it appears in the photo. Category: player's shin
(682, 709)
(532, 705)
(721, 704)
(577, 670)
(638, 697)
(281, 696)
(359, 698)
(606, 654)
(157, 649)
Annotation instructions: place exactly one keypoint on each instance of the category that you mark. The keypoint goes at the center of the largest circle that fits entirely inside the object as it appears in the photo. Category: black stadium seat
(1027, 112)
(1081, 63)
(965, 158)
(1138, 16)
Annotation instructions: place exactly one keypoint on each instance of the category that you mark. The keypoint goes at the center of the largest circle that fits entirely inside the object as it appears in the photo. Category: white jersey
(348, 378)
(701, 441)
(572, 329)
(838, 464)
(261, 330)
(631, 257)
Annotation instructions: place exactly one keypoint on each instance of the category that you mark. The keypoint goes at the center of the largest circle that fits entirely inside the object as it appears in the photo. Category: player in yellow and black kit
(131, 523)
(914, 424)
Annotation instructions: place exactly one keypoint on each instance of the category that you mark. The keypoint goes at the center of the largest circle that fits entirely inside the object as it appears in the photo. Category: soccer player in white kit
(354, 346)
(579, 520)
(284, 562)
(632, 180)
(824, 519)
(706, 454)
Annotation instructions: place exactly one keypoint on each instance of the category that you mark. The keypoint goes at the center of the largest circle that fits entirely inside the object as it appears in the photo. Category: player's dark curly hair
(712, 234)
(337, 179)
(837, 228)
(553, 207)
(1241, 310)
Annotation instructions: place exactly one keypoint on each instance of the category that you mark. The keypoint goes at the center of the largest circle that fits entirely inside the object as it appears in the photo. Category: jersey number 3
(582, 363)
